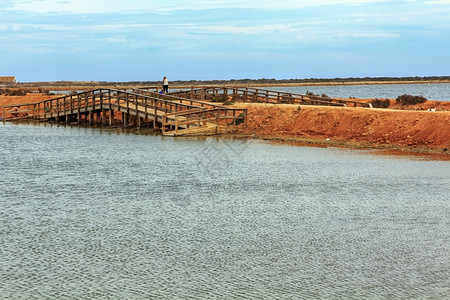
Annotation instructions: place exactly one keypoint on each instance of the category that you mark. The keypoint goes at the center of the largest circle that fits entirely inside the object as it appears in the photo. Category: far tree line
(245, 81)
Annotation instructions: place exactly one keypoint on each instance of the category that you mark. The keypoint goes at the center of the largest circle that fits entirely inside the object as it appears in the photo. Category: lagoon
(98, 214)
(431, 91)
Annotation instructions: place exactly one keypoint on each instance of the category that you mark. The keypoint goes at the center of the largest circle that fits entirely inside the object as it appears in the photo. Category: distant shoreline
(77, 85)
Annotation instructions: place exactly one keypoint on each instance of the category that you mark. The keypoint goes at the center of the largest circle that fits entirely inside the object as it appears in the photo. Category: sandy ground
(414, 129)
(405, 128)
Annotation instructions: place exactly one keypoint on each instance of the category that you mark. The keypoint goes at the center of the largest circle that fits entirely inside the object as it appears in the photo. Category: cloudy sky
(117, 40)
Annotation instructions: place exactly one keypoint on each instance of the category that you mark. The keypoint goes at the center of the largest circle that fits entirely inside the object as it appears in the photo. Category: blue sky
(139, 40)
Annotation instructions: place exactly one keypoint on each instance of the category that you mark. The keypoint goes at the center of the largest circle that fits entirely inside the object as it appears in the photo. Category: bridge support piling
(103, 117)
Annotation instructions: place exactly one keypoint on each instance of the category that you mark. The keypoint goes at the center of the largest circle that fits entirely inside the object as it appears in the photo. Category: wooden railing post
(164, 121)
(245, 118)
(79, 108)
(138, 119)
(146, 113)
(111, 113)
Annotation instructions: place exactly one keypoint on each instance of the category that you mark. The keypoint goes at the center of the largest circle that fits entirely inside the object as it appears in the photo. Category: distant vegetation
(311, 94)
(246, 81)
(410, 100)
(8, 92)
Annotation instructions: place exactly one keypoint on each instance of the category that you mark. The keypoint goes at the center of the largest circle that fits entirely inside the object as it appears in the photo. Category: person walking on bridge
(165, 85)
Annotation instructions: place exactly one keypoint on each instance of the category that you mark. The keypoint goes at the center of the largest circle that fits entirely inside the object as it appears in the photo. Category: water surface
(86, 213)
(431, 91)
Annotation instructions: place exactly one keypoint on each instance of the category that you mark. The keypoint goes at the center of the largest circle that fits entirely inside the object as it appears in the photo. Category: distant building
(7, 79)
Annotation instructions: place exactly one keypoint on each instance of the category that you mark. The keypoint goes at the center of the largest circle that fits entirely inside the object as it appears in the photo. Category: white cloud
(112, 6)
(384, 35)
(248, 29)
(439, 2)
(116, 40)
(52, 27)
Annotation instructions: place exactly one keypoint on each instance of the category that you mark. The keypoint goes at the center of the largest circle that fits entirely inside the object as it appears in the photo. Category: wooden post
(101, 100)
(146, 112)
(155, 118)
(245, 118)
(128, 104)
(138, 119)
(78, 108)
(35, 107)
(217, 120)
(93, 100)
(111, 113)
(164, 121)
(71, 104)
(66, 110)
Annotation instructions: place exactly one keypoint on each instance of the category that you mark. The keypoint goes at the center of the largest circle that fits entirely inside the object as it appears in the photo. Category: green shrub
(410, 100)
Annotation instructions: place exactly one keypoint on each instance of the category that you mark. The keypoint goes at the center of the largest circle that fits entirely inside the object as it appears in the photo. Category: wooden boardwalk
(175, 115)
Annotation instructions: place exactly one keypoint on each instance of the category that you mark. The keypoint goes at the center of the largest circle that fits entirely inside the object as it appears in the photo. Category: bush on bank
(378, 103)
(410, 100)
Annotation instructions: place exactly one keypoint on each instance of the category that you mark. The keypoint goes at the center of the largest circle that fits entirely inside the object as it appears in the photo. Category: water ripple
(89, 215)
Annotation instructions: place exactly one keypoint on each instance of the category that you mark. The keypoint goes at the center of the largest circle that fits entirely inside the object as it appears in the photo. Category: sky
(144, 40)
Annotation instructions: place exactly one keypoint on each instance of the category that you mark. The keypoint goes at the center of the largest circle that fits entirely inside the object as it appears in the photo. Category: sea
(90, 213)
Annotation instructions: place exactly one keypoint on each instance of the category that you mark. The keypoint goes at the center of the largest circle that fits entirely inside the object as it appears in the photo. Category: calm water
(93, 214)
(434, 91)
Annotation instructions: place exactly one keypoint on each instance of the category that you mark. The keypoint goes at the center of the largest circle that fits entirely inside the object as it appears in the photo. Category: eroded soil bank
(401, 129)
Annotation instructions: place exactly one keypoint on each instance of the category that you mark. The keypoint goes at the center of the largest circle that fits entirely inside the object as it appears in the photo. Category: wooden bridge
(175, 116)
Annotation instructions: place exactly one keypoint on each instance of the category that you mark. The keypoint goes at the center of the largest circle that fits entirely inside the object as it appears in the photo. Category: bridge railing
(214, 117)
(18, 111)
(178, 98)
(260, 95)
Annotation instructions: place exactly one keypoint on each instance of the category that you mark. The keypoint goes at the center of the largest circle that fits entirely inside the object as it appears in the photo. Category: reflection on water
(87, 213)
